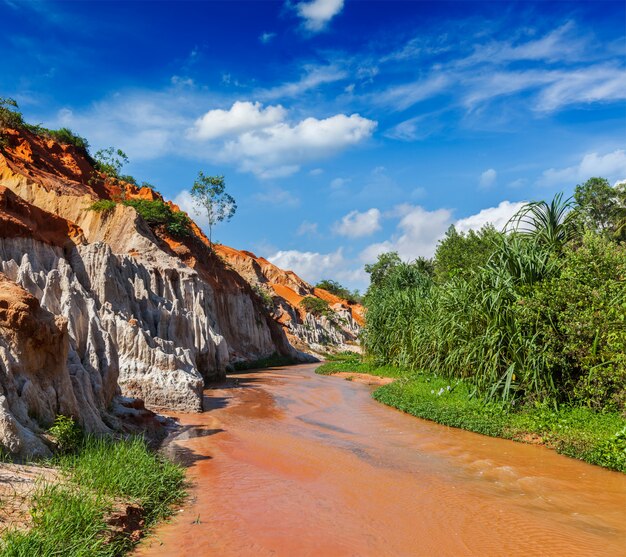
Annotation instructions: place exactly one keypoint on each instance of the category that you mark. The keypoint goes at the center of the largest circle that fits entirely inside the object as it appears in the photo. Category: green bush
(10, 116)
(102, 206)
(157, 212)
(612, 453)
(68, 137)
(265, 297)
(316, 306)
(335, 288)
(67, 433)
(579, 320)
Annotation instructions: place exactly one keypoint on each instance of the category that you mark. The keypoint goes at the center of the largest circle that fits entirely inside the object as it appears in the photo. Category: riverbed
(285, 462)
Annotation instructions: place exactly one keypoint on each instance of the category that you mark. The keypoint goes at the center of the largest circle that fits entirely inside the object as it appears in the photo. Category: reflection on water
(288, 463)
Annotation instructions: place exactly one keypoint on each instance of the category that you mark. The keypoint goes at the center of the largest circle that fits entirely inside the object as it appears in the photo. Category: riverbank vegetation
(108, 492)
(524, 329)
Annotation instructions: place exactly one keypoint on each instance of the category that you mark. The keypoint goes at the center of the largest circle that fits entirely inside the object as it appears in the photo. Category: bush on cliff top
(314, 305)
(154, 212)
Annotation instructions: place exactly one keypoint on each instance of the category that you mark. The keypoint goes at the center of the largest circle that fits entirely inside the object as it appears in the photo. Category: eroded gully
(288, 463)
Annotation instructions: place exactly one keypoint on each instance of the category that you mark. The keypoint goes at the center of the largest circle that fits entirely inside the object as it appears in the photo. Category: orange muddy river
(288, 463)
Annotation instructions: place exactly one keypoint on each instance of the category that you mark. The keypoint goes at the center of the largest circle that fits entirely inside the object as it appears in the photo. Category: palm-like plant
(549, 224)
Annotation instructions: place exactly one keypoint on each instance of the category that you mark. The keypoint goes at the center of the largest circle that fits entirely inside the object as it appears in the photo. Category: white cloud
(307, 228)
(405, 95)
(184, 200)
(610, 165)
(417, 234)
(488, 178)
(311, 266)
(274, 195)
(338, 183)
(313, 77)
(241, 117)
(562, 43)
(316, 171)
(585, 86)
(182, 81)
(266, 37)
(286, 146)
(419, 231)
(497, 216)
(144, 126)
(358, 225)
(317, 13)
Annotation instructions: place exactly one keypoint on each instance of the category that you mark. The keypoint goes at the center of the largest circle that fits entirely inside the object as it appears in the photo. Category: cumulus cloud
(418, 230)
(264, 141)
(358, 225)
(286, 145)
(488, 178)
(497, 216)
(417, 234)
(311, 266)
(610, 165)
(241, 117)
(317, 13)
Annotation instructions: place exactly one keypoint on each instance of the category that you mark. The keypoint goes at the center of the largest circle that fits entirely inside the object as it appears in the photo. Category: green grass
(69, 518)
(354, 366)
(579, 432)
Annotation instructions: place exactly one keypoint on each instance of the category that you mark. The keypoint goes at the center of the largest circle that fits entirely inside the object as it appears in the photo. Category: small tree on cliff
(210, 197)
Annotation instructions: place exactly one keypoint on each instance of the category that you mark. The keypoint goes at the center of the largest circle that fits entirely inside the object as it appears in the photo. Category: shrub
(335, 288)
(316, 306)
(578, 318)
(10, 116)
(68, 137)
(102, 206)
(265, 296)
(67, 433)
(157, 212)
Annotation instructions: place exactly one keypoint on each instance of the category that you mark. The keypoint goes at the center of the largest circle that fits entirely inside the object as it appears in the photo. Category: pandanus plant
(551, 225)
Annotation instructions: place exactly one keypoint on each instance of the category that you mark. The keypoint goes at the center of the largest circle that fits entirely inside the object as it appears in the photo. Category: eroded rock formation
(315, 332)
(98, 305)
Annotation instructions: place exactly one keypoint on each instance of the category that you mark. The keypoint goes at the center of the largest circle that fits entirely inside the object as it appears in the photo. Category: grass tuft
(69, 518)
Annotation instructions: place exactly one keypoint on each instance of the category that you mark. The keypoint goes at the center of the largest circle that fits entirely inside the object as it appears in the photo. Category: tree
(110, 161)
(379, 270)
(209, 194)
(602, 207)
(459, 254)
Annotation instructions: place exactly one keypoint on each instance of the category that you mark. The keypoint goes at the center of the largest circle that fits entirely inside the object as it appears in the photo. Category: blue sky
(343, 128)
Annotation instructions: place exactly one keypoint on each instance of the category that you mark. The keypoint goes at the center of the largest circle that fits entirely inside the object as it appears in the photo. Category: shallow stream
(289, 463)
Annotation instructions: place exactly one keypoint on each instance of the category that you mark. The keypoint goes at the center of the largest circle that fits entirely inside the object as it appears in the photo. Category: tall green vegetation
(533, 315)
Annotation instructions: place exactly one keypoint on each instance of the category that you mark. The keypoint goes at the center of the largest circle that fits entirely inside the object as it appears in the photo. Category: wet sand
(289, 463)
